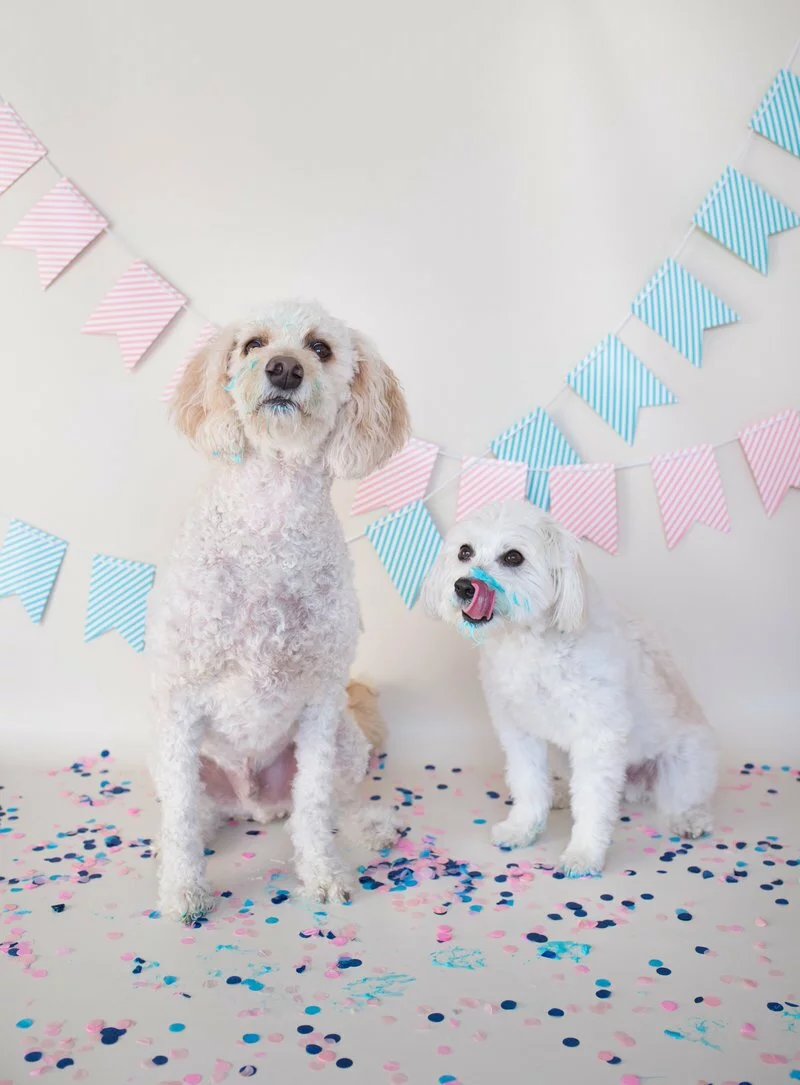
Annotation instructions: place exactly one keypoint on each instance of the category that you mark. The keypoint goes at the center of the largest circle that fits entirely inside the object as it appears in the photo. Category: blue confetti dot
(313, 1049)
(62, 1064)
(682, 914)
(160, 1060)
(304, 1029)
(33, 1056)
(25, 1022)
(311, 1010)
(436, 1017)
(664, 971)
(508, 1004)
(344, 1064)
(655, 963)
(251, 1037)
(555, 1012)
(701, 949)
(776, 1007)
(177, 1027)
(602, 983)
(534, 937)
(570, 1041)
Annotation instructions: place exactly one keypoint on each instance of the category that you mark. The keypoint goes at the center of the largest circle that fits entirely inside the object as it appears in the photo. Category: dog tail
(362, 700)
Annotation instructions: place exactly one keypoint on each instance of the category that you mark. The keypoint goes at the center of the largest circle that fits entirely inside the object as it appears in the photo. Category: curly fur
(559, 666)
(254, 625)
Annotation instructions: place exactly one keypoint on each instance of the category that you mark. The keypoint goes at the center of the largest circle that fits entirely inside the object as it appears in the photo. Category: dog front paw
(380, 829)
(327, 887)
(516, 834)
(582, 863)
(188, 903)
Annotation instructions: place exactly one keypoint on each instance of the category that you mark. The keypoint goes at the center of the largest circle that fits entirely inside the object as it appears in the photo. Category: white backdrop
(483, 188)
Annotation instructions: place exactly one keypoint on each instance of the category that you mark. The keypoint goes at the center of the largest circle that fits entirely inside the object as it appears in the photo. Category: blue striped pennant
(741, 215)
(616, 384)
(537, 441)
(118, 591)
(407, 543)
(778, 116)
(680, 309)
(29, 564)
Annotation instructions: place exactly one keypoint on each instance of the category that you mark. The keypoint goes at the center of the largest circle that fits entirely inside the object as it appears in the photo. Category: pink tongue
(481, 604)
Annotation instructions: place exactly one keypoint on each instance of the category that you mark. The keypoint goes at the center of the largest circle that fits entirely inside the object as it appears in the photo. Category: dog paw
(560, 799)
(380, 830)
(515, 834)
(578, 863)
(188, 903)
(692, 824)
(328, 888)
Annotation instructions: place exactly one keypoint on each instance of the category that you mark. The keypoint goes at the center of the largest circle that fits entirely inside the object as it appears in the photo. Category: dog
(560, 666)
(254, 626)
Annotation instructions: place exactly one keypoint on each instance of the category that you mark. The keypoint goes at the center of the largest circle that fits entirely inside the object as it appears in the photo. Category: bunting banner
(118, 591)
(778, 116)
(741, 215)
(19, 147)
(616, 384)
(403, 479)
(772, 449)
(137, 310)
(584, 501)
(206, 333)
(538, 442)
(679, 309)
(407, 543)
(29, 564)
(61, 225)
(484, 480)
(689, 490)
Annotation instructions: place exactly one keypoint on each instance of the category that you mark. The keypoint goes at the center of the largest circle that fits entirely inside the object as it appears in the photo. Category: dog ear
(566, 569)
(373, 424)
(202, 408)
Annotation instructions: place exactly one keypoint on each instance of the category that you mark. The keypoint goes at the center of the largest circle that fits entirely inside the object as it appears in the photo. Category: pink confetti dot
(275, 1037)
(773, 1060)
(712, 1000)
(747, 1029)
(760, 922)
(248, 855)
(605, 1056)
(193, 1079)
(399, 1079)
(624, 1038)
(444, 1050)
(630, 1079)
(95, 1025)
(495, 934)
(391, 1066)
(667, 1004)
(326, 1056)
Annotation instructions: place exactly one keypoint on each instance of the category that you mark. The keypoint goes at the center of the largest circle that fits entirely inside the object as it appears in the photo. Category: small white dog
(559, 666)
(254, 628)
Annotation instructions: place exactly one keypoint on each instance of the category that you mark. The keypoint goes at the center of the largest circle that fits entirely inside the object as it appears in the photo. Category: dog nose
(465, 589)
(285, 372)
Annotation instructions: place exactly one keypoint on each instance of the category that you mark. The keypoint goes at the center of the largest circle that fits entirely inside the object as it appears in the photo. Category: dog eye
(321, 349)
(252, 344)
(512, 557)
(466, 553)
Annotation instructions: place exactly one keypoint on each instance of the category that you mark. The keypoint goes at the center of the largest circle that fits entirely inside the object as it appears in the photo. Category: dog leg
(312, 822)
(528, 780)
(686, 776)
(183, 890)
(598, 776)
(369, 823)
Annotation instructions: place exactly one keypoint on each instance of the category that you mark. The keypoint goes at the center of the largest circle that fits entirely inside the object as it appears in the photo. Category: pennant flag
(584, 501)
(118, 591)
(616, 384)
(29, 564)
(772, 448)
(404, 478)
(137, 310)
(679, 308)
(483, 481)
(537, 441)
(58, 228)
(741, 215)
(778, 116)
(407, 543)
(19, 147)
(689, 489)
(206, 333)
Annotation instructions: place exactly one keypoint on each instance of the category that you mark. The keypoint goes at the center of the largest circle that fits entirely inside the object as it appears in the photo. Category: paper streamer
(483, 481)
(19, 147)
(772, 449)
(58, 229)
(206, 333)
(538, 442)
(584, 501)
(679, 308)
(741, 215)
(118, 591)
(616, 384)
(403, 479)
(689, 490)
(137, 310)
(407, 543)
(778, 116)
(29, 564)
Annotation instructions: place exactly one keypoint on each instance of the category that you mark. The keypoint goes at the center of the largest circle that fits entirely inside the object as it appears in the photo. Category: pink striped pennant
(19, 147)
(403, 479)
(206, 333)
(58, 228)
(772, 449)
(137, 310)
(689, 489)
(583, 499)
(484, 480)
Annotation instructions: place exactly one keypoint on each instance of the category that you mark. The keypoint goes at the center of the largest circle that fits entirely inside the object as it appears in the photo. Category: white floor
(470, 965)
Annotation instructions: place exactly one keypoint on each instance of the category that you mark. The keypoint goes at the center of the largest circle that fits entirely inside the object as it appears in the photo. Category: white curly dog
(255, 623)
(558, 665)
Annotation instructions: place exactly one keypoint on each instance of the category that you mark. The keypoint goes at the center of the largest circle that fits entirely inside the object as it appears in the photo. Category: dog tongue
(481, 604)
